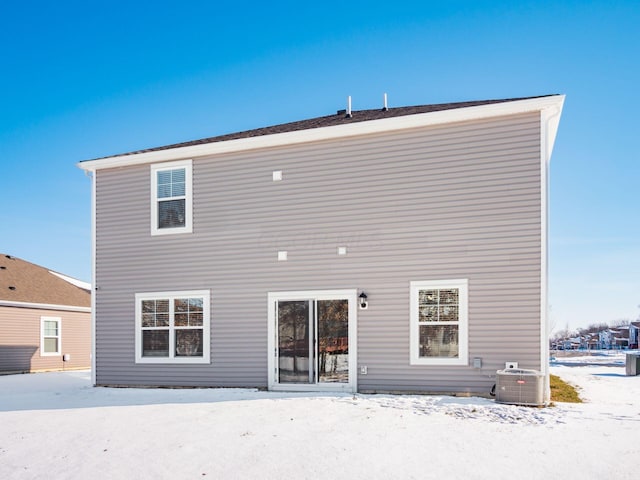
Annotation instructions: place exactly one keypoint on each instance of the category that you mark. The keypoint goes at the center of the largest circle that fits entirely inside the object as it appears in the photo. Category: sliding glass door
(312, 340)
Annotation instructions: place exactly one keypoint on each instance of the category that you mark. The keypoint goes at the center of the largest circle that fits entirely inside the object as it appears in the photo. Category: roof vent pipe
(348, 115)
(385, 107)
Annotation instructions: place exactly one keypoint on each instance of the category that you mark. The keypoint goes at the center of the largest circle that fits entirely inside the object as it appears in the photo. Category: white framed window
(439, 322)
(173, 327)
(171, 198)
(50, 336)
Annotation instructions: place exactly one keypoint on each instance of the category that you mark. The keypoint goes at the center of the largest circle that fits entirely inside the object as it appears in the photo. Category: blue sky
(81, 80)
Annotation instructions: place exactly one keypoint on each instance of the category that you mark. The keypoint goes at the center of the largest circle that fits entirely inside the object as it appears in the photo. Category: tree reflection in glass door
(333, 341)
(294, 319)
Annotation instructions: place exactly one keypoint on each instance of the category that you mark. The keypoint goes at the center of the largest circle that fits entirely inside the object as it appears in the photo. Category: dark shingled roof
(330, 120)
(21, 281)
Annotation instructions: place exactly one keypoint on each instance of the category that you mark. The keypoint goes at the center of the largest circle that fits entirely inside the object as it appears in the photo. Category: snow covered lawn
(56, 426)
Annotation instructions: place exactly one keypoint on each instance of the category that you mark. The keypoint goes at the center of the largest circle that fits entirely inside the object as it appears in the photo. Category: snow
(55, 425)
(72, 281)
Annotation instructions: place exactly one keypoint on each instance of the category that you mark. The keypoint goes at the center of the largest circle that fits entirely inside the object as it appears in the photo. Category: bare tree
(620, 323)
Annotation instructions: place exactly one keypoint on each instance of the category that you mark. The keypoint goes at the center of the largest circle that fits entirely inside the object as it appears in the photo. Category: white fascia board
(550, 118)
(44, 306)
(552, 103)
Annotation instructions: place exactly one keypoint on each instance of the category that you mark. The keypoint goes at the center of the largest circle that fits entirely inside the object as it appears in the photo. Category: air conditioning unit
(520, 387)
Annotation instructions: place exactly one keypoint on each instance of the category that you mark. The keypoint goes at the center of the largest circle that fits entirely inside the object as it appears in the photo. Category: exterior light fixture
(363, 303)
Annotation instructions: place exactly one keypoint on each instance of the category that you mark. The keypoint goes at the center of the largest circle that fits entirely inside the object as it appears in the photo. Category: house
(592, 342)
(574, 343)
(45, 319)
(621, 337)
(605, 338)
(580, 342)
(388, 250)
(634, 330)
(614, 338)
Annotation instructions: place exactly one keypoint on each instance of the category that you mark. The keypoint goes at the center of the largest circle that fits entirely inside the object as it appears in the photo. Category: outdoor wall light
(363, 301)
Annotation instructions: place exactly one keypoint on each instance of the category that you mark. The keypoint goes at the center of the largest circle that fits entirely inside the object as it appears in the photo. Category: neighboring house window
(50, 336)
(439, 322)
(171, 209)
(172, 327)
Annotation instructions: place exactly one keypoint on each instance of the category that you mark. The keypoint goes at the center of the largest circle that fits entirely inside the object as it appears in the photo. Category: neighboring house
(573, 343)
(634, 334)
(586, 342)
(592, 341)
(45, 319)
(614, 338)
(605, 338)
(621, 337)
(244, 260)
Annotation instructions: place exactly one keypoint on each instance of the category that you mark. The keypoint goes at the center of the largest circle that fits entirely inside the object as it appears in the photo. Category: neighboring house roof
(22, 282)
(294, 132)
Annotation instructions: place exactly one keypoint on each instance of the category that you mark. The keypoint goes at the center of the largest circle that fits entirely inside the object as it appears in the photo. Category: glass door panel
(333, 341)
(294, 341)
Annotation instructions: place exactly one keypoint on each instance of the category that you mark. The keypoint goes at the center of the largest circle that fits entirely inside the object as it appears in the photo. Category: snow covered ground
(56, 426)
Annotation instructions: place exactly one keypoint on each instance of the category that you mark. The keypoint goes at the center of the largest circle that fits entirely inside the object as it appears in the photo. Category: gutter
(44, 306)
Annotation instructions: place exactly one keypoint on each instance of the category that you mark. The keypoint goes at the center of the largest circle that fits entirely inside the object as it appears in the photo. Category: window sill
(439, 361)
(173, 361)
(171, 231)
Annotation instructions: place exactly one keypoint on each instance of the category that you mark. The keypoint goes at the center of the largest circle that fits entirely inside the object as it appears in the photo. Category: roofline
(73, 281)
(44, 306)
(552, 104)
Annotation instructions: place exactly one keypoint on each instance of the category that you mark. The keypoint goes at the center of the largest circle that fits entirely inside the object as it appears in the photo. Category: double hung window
(172, 327)
(439, 322)
(50, 336)
(171, 198)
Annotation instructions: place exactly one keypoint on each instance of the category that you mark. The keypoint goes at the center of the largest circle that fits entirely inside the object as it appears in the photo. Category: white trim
(188, 197)
(550, 118)
(463, 322)
(206, 327)
(44, 306)
(553, 102)
(93, 280)
(549, 121)
(58, 320)
(348, 294)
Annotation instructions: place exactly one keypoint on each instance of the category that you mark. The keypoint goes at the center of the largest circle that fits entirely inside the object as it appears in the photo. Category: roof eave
(550, 105)
(44, 306)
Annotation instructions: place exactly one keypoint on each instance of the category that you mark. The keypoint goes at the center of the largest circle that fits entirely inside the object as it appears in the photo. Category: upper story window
(171, 198)
(50, 336)
(439, 322)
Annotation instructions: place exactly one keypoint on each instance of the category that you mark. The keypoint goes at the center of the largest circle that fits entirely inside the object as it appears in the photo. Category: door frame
(272, 298)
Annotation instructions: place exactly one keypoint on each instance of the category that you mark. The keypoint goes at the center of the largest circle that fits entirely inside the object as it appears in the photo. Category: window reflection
(333, 341)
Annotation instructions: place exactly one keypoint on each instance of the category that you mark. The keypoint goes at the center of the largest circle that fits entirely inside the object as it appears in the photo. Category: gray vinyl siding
(446, 202)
